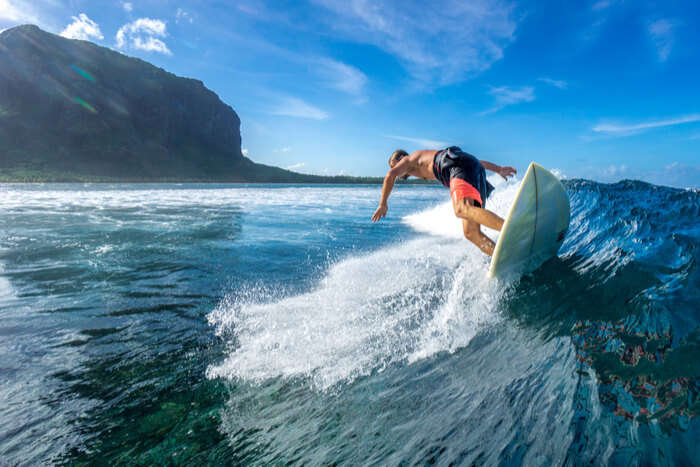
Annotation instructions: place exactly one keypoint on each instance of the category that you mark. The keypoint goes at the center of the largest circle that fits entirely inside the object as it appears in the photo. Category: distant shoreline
(302, 180)
(189, 182)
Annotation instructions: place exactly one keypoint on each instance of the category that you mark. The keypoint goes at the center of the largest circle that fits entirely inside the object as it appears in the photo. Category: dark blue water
(232, 324)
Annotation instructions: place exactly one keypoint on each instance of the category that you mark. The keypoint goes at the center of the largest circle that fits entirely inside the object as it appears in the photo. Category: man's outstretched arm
(400, 170)
(504, 172)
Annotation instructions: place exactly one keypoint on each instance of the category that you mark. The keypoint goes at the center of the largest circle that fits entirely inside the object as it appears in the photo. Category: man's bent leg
(465, 209)
(472, 231)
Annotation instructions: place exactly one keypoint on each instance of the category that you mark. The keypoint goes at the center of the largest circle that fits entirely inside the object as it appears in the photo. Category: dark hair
(397, 155)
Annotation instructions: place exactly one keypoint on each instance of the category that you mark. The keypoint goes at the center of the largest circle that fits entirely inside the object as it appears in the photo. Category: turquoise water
(234, 324)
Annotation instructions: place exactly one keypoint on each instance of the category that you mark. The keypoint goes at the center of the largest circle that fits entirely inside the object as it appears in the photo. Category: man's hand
(506, 172)
(380, 212)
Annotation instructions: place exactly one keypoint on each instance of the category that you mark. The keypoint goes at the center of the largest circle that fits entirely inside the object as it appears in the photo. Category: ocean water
(249, 324)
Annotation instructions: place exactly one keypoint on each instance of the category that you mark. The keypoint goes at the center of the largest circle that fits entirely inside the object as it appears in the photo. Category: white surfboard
(535, 227)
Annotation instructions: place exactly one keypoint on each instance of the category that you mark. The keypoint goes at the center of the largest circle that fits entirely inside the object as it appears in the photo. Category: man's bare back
(420, 164)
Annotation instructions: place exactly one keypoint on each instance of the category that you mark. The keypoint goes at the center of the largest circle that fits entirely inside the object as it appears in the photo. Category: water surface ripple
(253, 324)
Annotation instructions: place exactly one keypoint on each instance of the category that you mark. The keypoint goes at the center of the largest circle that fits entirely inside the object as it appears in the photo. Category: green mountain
(71, 110)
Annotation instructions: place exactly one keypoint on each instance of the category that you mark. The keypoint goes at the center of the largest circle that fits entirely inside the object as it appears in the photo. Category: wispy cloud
(128, 6)
(342, 77)
(247, 9)
(320, 70)
(613, 171)
(14, 11)
(506, 95)
(143, 34)
(295, 107)
(440, 42)
(600, 12)
(601, 5)
(296, 166)
(423, 142)
(83, 28)
(677, 174)
(661, 32)
(557, 83)
(624, 130)
(607, 173)
(182, 15)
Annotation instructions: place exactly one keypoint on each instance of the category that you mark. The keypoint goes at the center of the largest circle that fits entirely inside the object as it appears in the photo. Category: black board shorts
(463, 174)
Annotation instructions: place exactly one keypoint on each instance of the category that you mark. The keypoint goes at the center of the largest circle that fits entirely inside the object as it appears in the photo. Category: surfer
(463, 174)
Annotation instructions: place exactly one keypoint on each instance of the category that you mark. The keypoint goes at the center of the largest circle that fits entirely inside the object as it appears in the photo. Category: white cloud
(611, 173)
(182, 15)
(615, 171)
(661, 33)
(17, 12)
(294, 107)
(423, 142)
(342, 77)
(143, 34)
(623, 130)
(506, 95)
(244, 151)
(558, 173)
(128, 6)
(558, 83)
(679, 175)
(82, 28)
(296, 166)
(438, 42)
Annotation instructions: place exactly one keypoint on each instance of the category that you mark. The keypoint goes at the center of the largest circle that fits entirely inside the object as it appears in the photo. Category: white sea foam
(440, 220)
(144, 198)
(104, 249)
(6, 291)
(400, 304)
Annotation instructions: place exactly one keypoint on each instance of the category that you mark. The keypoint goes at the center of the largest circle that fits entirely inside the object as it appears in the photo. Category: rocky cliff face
(74, 108)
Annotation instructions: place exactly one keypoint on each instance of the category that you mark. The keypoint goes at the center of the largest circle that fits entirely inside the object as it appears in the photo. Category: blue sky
(603, 89)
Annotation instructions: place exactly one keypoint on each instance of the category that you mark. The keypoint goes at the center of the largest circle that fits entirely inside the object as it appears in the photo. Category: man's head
(396, 156)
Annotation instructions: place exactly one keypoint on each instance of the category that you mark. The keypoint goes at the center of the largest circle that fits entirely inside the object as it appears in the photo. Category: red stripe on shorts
(460, 189)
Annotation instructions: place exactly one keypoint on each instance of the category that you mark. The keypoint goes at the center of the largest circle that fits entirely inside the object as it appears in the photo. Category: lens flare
(85, 104)
(83, 73)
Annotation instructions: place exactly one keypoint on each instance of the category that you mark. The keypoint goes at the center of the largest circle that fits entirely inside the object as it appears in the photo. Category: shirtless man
(463, 174)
